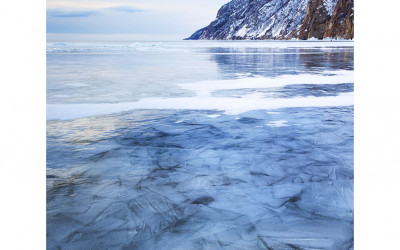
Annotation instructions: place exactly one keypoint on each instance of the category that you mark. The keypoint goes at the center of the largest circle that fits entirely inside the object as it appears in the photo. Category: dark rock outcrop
(316, 21)
(341, 24)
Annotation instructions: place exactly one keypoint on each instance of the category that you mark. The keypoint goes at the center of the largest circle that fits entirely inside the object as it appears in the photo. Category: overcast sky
(174, 18)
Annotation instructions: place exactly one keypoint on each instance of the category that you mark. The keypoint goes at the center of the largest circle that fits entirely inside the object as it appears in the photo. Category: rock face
(321, 22)
(342, 22)
(280, 20)
(316, 20)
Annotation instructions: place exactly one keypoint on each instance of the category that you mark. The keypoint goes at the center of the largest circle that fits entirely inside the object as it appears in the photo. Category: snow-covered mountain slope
(274, 19)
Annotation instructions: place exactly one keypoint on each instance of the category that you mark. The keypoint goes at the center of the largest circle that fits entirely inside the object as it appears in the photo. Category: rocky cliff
(341, 24)
(280, 19)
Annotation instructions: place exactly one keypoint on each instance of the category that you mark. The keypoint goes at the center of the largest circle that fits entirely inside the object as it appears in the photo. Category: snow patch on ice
(228, 105)
(280, 123)
(205, 88)
(213, 116)
(241, 75)
(203, 100)
(77, 84)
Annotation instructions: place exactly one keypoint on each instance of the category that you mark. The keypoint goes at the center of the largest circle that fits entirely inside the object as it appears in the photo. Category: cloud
(67, 14)
(178, 18)
(86, 13)
(126, 9)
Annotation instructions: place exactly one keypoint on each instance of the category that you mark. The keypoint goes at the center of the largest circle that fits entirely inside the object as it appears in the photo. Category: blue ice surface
(198, 179)
(182, 179)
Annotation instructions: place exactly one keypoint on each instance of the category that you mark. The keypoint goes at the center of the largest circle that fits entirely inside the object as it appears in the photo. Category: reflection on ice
(119, 72)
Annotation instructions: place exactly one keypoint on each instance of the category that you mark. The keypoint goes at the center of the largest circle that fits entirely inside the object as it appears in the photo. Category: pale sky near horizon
(152, 18)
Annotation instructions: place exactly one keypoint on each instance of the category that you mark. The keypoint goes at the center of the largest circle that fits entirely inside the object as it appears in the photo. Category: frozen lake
(200, 145)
